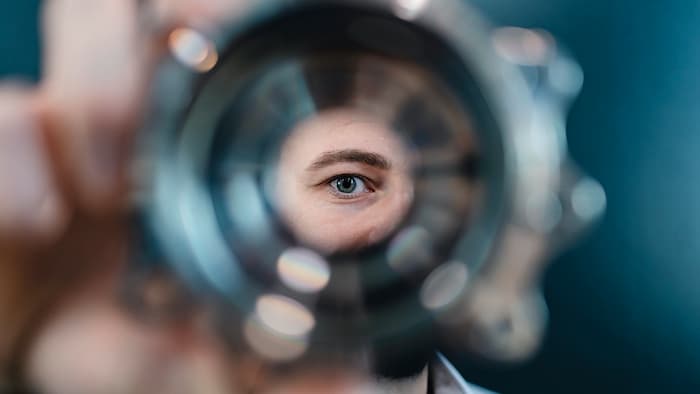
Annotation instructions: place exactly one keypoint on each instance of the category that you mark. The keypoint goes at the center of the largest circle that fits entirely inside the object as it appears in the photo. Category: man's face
(343, 181)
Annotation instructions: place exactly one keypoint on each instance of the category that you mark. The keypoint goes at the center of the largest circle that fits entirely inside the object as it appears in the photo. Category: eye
(349, 186)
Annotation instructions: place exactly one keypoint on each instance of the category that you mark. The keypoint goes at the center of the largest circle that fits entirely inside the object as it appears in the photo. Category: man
(64, 234)
(344, 180)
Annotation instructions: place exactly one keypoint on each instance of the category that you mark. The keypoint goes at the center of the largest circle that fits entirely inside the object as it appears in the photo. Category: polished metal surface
(495, 194)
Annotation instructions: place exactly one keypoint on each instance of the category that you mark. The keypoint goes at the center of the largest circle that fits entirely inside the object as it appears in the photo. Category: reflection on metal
(270, 344)
(193, 49)
(565, 76)
(409, 9)
(279, 328)
(588, 199)
(506, 326)
(544, 213)
(245, 200)
(444, 285)
(284, 315)
(303, 270)
(523, 46)
(410, 250)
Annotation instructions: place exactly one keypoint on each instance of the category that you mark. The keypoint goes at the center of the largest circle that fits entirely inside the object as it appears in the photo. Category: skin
(343, 145)
(64, 229)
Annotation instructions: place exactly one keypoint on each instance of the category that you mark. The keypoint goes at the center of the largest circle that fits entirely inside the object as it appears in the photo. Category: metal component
(193, 49)
(511, 85)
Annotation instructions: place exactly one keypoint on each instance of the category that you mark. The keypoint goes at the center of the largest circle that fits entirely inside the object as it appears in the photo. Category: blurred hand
(64, 155)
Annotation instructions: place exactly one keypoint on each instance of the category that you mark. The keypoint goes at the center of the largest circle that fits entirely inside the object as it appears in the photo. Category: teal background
(625, 302)
(19, 39)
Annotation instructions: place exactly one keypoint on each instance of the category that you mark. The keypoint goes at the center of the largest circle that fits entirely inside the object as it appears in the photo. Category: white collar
(447, 380)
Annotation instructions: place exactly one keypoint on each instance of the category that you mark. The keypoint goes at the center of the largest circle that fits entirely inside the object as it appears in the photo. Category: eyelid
(369, 181)
(368, 184)
(321, 176)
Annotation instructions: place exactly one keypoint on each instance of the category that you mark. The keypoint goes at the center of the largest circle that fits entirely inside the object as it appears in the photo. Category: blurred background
(624, 302)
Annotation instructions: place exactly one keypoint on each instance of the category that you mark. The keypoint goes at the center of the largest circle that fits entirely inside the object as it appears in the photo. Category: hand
(64, 155)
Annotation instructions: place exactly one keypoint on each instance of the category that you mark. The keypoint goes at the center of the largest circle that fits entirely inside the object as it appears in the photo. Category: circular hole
(303, 270)
(193, 49)
(284, 315)
(270, 344)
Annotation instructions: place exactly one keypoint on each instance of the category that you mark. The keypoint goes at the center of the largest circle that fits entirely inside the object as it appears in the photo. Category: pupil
(346, 184)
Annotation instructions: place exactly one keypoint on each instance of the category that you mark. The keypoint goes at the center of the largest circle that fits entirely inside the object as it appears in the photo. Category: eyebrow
(350, 156)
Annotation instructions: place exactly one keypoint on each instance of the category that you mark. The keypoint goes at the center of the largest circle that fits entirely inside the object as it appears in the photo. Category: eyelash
(345, 196)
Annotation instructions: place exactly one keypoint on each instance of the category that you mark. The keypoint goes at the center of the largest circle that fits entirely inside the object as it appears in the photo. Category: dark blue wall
(19, 43)
(625, 303)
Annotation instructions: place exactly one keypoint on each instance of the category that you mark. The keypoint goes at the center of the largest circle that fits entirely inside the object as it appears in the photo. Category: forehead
(343, 129)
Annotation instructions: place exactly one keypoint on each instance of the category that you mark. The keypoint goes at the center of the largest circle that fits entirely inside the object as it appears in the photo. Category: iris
(346, 184)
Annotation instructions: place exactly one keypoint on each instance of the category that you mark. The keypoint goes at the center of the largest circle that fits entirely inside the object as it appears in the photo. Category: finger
(95, 62)
(201, 13)
(30, 203)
